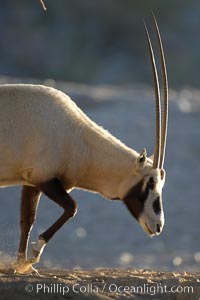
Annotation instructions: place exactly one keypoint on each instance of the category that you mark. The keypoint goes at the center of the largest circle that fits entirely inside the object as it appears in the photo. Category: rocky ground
(102, 284)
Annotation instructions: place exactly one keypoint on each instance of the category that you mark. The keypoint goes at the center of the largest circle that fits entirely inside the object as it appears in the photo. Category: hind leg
(29, 203)
(56, 192)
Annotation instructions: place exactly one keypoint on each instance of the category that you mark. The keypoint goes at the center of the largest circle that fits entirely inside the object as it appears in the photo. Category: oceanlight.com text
(78, 288)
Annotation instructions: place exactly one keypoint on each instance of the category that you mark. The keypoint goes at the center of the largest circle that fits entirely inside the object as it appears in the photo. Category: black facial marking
(136, 197)
(158, 228)
(151, 183)
(157, 206)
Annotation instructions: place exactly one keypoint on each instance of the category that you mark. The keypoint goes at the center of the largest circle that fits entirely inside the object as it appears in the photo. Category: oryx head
(144, 200)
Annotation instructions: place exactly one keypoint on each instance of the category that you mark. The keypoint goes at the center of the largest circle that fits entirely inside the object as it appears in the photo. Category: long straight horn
(165, 97)
(156, 160)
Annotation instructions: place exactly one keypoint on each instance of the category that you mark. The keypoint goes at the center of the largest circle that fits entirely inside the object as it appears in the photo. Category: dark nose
(158, 228)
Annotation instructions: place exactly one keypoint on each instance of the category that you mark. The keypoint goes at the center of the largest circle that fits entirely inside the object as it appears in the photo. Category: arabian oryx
(48, 145)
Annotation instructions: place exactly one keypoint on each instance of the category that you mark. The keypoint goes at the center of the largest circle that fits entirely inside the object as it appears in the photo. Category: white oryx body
(43, 134)
(48, 145)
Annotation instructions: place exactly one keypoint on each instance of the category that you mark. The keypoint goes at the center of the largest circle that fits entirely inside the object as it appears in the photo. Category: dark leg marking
(56, 192)
(29, 203)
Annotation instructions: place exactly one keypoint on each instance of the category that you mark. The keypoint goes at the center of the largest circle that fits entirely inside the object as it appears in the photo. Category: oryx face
(144, 200)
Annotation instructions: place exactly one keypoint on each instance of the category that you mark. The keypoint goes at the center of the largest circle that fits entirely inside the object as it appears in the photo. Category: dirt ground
(101, 284)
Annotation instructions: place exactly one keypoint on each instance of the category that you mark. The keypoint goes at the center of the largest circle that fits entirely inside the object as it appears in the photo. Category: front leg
(54, 190)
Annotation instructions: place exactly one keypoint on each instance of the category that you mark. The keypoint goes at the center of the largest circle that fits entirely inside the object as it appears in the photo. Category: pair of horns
(161, 129)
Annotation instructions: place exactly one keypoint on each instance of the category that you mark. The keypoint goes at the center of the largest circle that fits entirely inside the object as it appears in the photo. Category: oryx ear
(142, 158)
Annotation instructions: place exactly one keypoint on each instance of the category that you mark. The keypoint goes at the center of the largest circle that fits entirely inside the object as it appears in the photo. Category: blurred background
(98, 41)
(96, 51)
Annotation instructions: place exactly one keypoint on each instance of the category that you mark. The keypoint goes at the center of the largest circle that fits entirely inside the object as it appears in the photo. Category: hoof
(25, 268)
(37, 249)
(35, 255)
